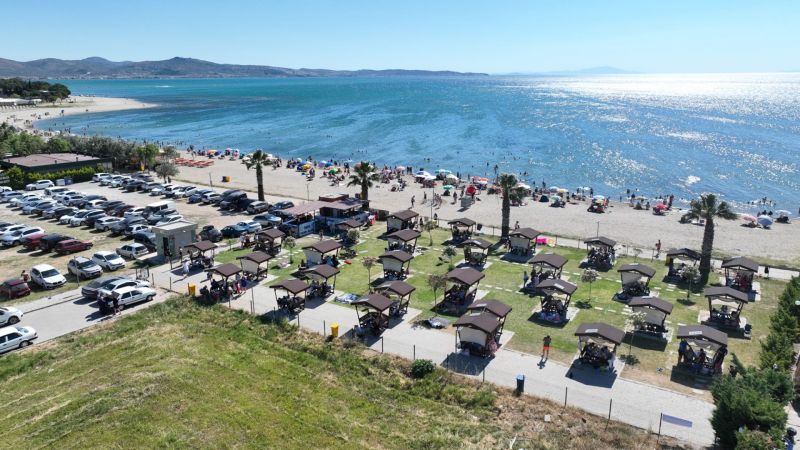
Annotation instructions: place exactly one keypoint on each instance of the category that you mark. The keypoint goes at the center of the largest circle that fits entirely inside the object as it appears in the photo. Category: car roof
(43, 267)
(8, 330)
(104, 253)
(125, 289)
(80, 259)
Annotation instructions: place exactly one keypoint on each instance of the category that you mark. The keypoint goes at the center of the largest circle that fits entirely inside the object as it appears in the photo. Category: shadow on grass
(534, 318)
(583, 304)
(685, 377)
(645, 342)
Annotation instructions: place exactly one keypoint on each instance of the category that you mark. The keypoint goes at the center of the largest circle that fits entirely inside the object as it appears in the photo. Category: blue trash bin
(520, 383)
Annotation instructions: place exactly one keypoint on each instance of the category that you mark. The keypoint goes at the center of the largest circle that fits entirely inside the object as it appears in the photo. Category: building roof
(47, 159)
(227, 270)
(554, 284)
(740, 263)
(398, 255)
(600, 331)
(702, 333)
(527, 233)
(272, 233)
(349, 223)
(464, 222)
(377, 302)
(174, 226)
(726, 292)
(482, 321)
(683, 253)
(305, 208)
(344, 204)
(404, 235)
(641, 269)
(404, 215)
(651, 302)
(257, 257)
(397, 287)
(495, 307)
(325, 246)
(322, 270)
(477, 242)
(293, 285)
(465, 275)
(553, 260)
(600, 241)
(200, 246)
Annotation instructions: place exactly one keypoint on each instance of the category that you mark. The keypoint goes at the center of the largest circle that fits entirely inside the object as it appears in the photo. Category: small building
(269, 241)
(478, 333)
(56, 162)
(399, 292)
(321, 252)
(373, 312)
(294, 299)
(494, 307)
(319, 276)
(523, 241)
(476, 251)
(600, 252)
(256, 264)
(655, 312)
(461, 229)
(556, 296)
(405, 240)
(725, 306)
(170, 238)
(548, 265)
(687, 258)
(635, 280)
(345, 226)
(739, 273)
(400, 220)
(713, 343)
(594, 340)
(396, 264)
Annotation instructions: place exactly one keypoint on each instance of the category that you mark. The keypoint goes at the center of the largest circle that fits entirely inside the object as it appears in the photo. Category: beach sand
(25, 117)
(623, 223)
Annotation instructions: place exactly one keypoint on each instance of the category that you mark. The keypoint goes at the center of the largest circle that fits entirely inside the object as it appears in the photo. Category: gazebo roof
(601, 331)
(323, 247)
(257, 257)
(740, 263)
(349, 223)
(683, 253)
(482, 321)
(293, 285)
(377, 302)
(727, 292)
(553, 260)
(398, 287)
(200, 246)
(272, 233)
(482, 244)
(651, 302)
(465, 275)
(398, 255)
(462, 221)
(323, 270)
(702, 333)
(227, 270)
(554, 284)
(600, 240)
(641, 269)
(404, 215)
(405, 235)
(495, 307)
(527, 233)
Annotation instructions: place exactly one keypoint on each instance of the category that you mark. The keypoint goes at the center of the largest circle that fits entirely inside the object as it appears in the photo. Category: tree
(690, 273)
(708, 207)
(508, 184)
(589, 276)
(57, 145)
(166, 170)
(429, 226)
(257, 160)
(449, 252)
(636, 320)
(436, 282)
(363, 176)
(146, 154)
(353, 235)
(290, 242)
(368, 262)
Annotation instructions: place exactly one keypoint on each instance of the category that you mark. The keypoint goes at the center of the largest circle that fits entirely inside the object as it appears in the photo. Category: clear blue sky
(469, 35)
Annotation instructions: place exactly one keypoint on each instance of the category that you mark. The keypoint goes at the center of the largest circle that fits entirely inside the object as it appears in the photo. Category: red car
(72, 246)
(14, 288)
(32, 242)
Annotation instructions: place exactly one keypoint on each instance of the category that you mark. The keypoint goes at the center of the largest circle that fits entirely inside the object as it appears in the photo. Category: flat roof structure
(51, 162)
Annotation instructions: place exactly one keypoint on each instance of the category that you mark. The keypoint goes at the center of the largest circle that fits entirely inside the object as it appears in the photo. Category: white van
(51, 191)
(158, 206)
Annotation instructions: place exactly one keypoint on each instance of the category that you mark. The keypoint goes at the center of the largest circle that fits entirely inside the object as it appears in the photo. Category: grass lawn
(177, 375)
(648, 360)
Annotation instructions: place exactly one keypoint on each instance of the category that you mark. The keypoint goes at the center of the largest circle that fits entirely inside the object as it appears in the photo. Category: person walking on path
(658, 248)
(413, 197)
(115, 305)
(546, 347)
(682, 347)
(185, 268)
(524, 279)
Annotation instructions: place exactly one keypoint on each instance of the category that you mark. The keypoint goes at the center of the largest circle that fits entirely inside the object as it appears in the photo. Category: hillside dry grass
(179, 375)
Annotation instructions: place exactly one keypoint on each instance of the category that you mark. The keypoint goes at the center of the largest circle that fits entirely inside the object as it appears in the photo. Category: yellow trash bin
(335, 330)
(192, 289)
(226, 179)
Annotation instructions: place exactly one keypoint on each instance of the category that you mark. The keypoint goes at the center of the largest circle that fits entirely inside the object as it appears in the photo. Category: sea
(737, 135)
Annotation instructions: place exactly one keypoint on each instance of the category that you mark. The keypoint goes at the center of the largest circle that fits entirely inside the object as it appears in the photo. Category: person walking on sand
(546, 347)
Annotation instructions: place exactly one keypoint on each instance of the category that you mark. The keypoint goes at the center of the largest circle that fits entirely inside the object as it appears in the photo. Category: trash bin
(520, 383)
(226, 179)
(335, 330)
(192, 289)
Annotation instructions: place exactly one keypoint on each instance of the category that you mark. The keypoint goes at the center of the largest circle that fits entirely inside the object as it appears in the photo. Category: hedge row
(17, 179)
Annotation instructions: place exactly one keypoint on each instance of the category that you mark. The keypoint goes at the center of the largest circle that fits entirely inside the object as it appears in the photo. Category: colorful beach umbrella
(765, 221)
(748, 217)
(660, 207)
(447, 187)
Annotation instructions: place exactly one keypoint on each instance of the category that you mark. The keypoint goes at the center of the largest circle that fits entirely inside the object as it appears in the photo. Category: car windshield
(49, 273)
(85, 264)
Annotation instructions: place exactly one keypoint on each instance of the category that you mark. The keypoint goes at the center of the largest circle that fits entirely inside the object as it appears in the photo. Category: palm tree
(368, 262)
(436, 282)
(258, 159)
(364, 173)
(707, 207)
(508, 183)
(146, 155)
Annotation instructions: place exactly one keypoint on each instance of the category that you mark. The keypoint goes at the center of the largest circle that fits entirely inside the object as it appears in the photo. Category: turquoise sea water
(738, 134)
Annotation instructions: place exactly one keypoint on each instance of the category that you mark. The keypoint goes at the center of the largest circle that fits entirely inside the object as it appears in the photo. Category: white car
(84, 268)
(10, 316)
(117, 182)
(6, 197)
(52, 191)
(133, 229)
(12, 227)
(80, 220)
(99, 176)
(41, 184)
(121, 284)
(211, 197)
(65, 220)
(132, 251)
(16, 337)
(47, 276)
(248, 226)
(161, 190)
(92, 204)
(174, 191)
(71, 199)
(105, 223)
(23, 199)
(11, 238)
(105, 181)
(168, 220)
(128, 295)
(42, 205)
(108, 260)
(138, 211)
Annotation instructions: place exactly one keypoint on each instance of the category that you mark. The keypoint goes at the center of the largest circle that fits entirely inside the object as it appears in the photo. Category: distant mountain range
(99, 68)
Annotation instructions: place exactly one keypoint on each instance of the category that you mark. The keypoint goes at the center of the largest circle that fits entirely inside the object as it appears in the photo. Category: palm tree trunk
(705, 252)
(364, 191)
(260, 181)
(506, 212)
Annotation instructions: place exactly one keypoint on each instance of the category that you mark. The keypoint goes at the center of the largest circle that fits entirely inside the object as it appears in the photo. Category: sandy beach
(25, 117)
(623, 223)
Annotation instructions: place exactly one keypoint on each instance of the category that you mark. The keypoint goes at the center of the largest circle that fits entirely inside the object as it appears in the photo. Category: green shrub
(755, 440)
(422, 367)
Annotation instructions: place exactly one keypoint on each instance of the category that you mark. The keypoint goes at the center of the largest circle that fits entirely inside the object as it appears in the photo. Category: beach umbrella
(765, 221)
(447, 187)
(553, 189)
(748, 217)
(599, 197)
(660, 207)
(400, 168)
(451, 177)
(783, 213)
(562, 190)
(471, 189)
(443, 171)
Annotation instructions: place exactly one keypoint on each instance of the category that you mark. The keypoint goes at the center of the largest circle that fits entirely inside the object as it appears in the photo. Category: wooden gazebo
(655, 312)
(635, 279)
(478, 333)
(739, 273)
(225, 271)
(200, 253)
(405, 240)
(594, 340)
(600, 252)
(461, 229)
(400, 220)
(462, 288)
(686, 256)
(321, 252)
(730, 302)
(294, 300)
(269, 241)
(319, 276)
(255, 265)
(556, 296)
(400, 294)
(476, 250)
(396, 264)
(712, 342)
(373, 312)
(494, 307)
(548, 265)
(523, 241)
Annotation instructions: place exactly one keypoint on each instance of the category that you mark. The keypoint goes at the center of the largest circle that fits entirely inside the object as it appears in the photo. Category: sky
(493, 36)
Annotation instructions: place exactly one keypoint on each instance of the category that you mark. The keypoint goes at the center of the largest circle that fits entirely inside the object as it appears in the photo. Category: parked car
(150, 186)
(72, 199)
(41, 184)
(210, 233)
(6, 197)
(104, 223)
(230, 231)
(137, 211)
(90, 289)
(9, 315)
(169, 219)
(196, 195)
(156, 217)
(117, 182)
(12, 338)
(108, 260)
(80, 219)
(91, 219)
(147, 238)
(135, 185)
(189, 191)
(55, 190)
(32, 207)
(130, 230)
(59, 212)
(85, 201)
(126, 296)
(20, 200)
(100, 175)
(60, 196)
(132, 251)
(49, 242)
(108, 180)
(160, 190)
(109, 205)
(230, 201)
(121, 283)
(268, 221)
(257, 207)
(95, 204)
(120, 210)
(174, 191)
(12, 238)
(12, 227)
(248, 226)
(72, 246)
(211, 198)
(84, 268)
(279, 206)
(47, 276)
(31, 241)
(14, 288)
